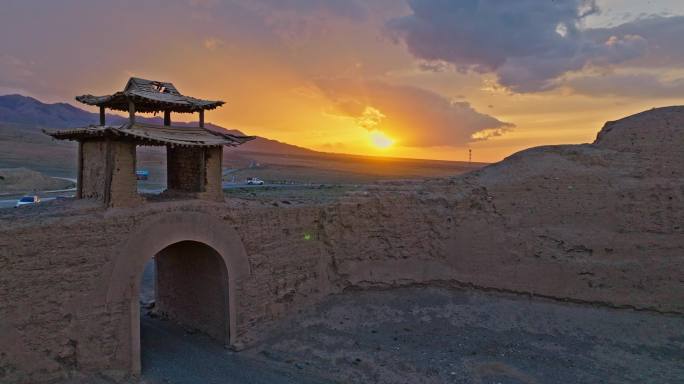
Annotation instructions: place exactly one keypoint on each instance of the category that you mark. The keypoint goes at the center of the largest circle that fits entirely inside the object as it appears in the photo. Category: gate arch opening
(189, 284)
(152, 237)
(191, 288)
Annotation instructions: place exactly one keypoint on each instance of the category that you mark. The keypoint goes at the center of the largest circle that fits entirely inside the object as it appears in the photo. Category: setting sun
(380, 140)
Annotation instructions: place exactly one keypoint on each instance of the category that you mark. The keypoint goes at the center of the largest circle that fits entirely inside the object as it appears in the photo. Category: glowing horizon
(360, 77)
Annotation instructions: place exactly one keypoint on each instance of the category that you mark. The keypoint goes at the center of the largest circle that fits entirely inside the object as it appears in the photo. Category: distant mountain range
(20, 109)
(28, 113)
(23, 144)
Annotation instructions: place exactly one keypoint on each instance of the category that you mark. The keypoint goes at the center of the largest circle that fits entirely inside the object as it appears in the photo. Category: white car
(27, 200)
(255, 181)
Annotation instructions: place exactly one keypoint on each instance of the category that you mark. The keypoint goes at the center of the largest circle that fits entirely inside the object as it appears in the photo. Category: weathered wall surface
(109, 172)
(94, 159)
(596, 223)
(185, 168)
(195, 170)
(212, 183)
(578, 235)
(59, 312)
(124, 184)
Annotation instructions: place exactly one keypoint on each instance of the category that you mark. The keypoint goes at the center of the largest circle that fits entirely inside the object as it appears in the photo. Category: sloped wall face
(576, 223)
(192, 288)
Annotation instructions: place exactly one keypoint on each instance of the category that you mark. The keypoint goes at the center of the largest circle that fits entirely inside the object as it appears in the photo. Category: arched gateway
(200, 260)
(201, 253)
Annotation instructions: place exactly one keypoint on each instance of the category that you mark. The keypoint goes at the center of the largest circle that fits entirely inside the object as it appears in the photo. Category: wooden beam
(102, 115)
(131, 111)
(167, 117)
(201, 118)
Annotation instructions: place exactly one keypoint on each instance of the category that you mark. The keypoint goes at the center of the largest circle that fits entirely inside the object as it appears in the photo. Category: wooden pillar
(79, 175)
(201, 118)
(131, 112)
(167, 117)
(102, 115)
(108, 172)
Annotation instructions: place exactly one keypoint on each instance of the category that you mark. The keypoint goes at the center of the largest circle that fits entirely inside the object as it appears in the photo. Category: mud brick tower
(107, 153)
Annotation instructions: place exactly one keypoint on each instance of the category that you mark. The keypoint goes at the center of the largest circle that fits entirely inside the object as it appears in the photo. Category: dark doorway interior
(185, 286)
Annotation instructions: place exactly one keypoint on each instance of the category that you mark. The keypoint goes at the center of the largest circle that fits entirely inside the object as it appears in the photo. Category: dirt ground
(430, 335)
(291, 194)
(433, 335)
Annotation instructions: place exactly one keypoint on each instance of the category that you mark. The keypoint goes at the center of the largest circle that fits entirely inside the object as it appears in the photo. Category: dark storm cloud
(528, 44)
(663, 34)
(627, 86)
(351, 9)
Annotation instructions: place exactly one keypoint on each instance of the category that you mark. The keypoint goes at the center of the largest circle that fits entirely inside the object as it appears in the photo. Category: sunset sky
(408, 78)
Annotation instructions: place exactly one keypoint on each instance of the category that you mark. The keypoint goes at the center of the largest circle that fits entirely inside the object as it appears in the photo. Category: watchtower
(107, 153)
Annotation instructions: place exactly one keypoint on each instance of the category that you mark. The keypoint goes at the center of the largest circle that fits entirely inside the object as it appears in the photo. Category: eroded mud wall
(573, 230)
(59, 313)
(590, 223)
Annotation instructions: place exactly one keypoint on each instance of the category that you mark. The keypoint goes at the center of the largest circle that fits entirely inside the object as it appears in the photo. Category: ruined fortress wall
(569, 229)
(54, 317)
(581, 223)
(61, 312)
(58, 266)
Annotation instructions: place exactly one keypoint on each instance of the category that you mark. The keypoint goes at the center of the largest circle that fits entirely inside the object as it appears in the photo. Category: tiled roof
(150, 96)
(152, 134)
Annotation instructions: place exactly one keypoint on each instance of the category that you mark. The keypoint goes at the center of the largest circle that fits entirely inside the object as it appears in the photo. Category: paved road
(227, 185)
(10, 203)
(45, 196)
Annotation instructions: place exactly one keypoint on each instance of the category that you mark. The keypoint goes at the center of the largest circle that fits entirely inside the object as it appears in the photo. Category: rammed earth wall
(584, 223)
